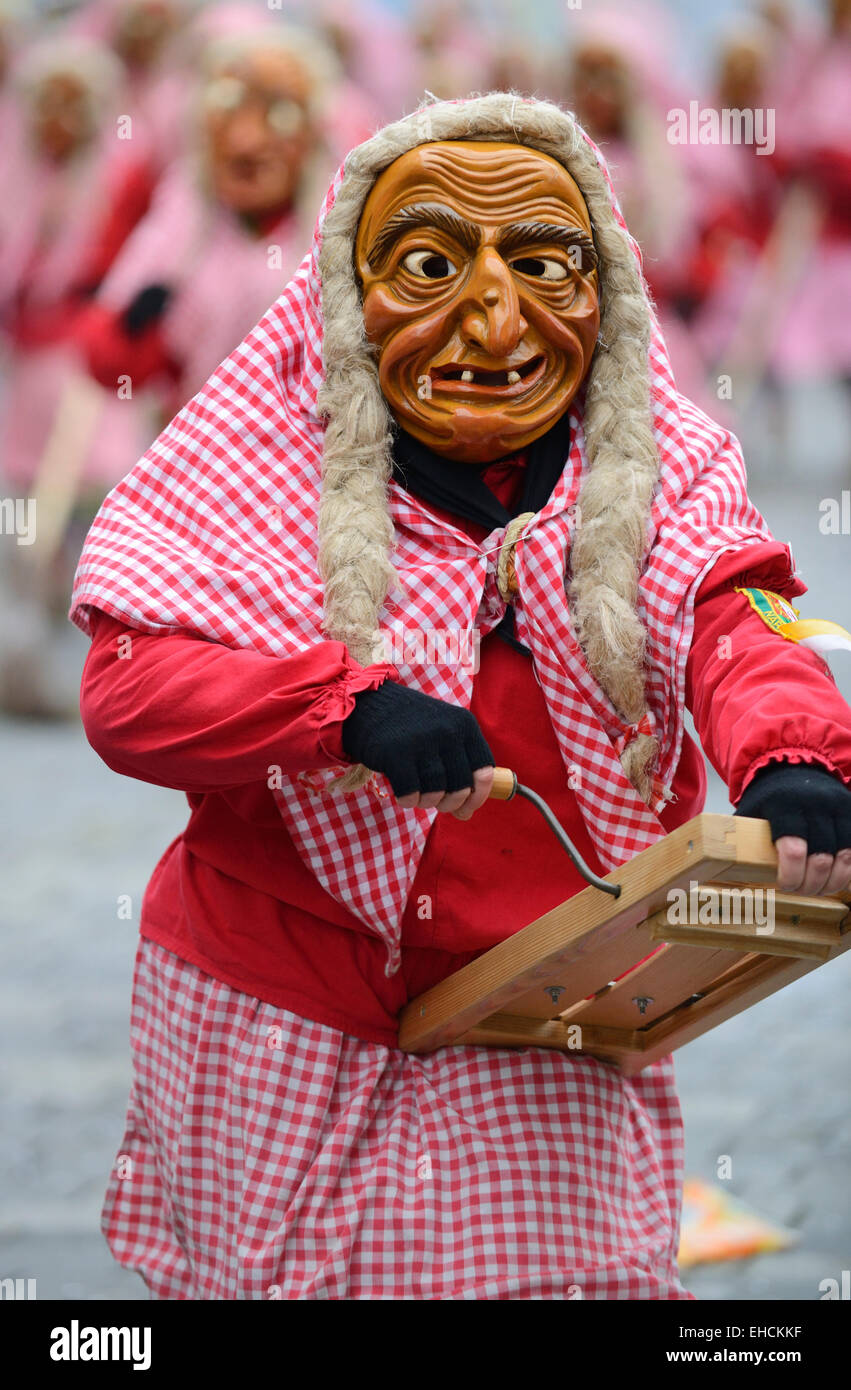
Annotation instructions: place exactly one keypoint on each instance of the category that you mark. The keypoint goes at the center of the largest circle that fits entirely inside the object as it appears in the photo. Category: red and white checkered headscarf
(215, 531)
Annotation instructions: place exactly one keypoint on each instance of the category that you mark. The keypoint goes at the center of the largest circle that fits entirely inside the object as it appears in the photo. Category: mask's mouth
(245, 167)
(462, 378)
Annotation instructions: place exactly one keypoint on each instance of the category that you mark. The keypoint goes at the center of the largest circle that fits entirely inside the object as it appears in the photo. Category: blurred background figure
(145, 35)
(741, 197)
(68, 201)
(516, 63)
(814, 157)
(229, 223)
(453, 46)
(775, 269)
(378, 71)
(12, 35)
(619, 83)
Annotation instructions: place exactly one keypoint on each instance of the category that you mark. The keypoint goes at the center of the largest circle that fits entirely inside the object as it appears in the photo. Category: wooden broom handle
(504, 784)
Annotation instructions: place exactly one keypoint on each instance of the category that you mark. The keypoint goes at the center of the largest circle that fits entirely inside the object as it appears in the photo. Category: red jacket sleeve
(181, 712)
(756, 697)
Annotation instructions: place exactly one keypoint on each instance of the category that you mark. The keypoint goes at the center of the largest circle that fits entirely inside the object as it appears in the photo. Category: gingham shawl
(214, 533)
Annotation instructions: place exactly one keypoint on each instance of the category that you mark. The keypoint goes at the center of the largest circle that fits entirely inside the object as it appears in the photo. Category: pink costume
(60, 227)
(155, 97)
(222, 278)
(12, 37)
(806, 325)
(656, 181)
(351, 109)
(378, 56)
(455, 49)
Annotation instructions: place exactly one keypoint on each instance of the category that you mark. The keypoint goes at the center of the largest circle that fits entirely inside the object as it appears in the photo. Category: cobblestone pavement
(770, 1088)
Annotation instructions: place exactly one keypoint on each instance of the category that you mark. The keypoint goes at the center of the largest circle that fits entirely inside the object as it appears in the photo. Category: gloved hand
(809, 810)
(431, 752)
(148, 305)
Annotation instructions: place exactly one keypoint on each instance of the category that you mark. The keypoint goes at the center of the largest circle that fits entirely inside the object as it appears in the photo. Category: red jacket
(231, 894)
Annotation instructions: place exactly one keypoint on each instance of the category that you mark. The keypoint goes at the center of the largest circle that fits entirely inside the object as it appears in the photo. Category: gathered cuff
(791, 755)
(339, 702)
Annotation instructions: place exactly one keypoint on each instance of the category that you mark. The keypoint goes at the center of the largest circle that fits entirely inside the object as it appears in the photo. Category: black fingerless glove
(419, 743)
(149, 305)
(801, 799)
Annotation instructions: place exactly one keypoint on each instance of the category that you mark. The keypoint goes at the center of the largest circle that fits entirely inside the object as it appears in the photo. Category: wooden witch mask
(478, 273)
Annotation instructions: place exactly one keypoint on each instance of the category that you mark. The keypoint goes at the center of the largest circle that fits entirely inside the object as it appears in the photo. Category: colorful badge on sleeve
(776, 612)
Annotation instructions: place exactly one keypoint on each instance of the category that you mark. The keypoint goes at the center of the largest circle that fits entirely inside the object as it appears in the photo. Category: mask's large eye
(224, 94)
(541, 267)
(286, 117)
(429, 265)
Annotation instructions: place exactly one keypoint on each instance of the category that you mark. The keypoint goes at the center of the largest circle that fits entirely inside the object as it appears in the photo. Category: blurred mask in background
(259, 131)
(741, 74)
(63, 121)
(143, 31)
(840, 17)
(601, 90)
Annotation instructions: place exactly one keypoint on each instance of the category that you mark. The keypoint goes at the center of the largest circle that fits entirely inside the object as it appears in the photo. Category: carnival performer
(69, 198)
(768, 310)
(378, 62)
(458, 418)
(740, 187)
(621, 83)
(69, 204)
(13, 35)
(227, 227)
(152, 40)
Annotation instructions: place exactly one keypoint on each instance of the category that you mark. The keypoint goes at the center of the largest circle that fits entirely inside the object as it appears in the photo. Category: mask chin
(473, 445)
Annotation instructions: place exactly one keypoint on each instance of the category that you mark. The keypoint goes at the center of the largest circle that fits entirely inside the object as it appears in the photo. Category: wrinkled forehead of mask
(478, 271)
(493, 182)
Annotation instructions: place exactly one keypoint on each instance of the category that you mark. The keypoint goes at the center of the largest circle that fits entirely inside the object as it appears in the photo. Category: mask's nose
(491, 320)
(247, 131)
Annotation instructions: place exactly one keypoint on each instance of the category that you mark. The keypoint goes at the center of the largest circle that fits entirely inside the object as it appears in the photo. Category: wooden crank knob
(504, 784)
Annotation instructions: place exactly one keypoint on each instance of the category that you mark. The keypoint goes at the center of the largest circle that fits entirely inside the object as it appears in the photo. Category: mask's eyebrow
(525, 234)
(422, 215)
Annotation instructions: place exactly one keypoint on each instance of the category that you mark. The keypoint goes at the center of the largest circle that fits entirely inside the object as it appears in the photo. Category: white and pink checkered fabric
(214, 532)
(269, 1157)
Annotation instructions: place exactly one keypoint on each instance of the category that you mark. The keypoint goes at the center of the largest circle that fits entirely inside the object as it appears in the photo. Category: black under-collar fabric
(459, 487)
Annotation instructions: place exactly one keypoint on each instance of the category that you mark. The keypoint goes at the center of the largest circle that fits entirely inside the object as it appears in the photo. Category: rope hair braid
(355, 528)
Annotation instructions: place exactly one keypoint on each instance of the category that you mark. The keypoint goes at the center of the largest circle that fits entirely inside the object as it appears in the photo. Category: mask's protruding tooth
(467, 376)
(513, 378)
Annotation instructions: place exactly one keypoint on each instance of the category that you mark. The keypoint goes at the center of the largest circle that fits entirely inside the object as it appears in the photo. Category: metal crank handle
(506, 785)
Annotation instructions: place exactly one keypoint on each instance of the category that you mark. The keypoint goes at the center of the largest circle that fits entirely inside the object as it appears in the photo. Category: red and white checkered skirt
(267, 1156)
